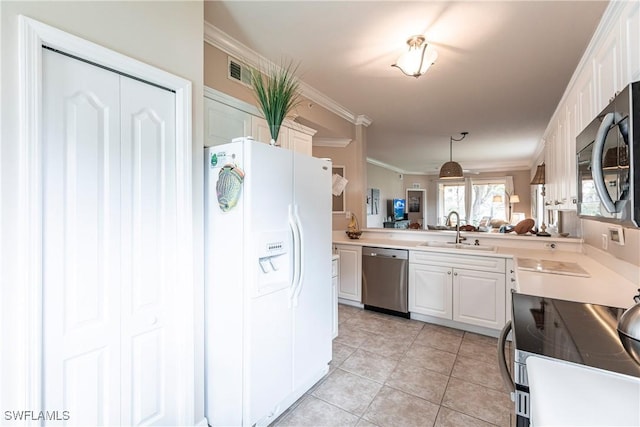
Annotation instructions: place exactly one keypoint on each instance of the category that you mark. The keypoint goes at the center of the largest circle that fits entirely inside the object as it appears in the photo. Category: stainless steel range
(575, 332)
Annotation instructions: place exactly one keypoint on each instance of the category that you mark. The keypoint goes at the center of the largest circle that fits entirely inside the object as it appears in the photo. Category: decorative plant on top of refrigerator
(276, 91)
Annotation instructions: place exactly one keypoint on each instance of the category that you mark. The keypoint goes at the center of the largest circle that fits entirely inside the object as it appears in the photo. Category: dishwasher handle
(368, 251)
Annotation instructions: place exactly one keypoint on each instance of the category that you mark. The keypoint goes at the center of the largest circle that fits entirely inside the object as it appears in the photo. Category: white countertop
(559, 396)
(604, 286)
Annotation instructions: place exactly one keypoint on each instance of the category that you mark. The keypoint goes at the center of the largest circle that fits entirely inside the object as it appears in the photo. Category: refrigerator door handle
(295, 231)
(300, 251)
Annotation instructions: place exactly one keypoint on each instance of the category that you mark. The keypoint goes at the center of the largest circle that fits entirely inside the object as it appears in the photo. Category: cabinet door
(479, 298)
(350, 277)
(260, 132)
(430, 290)
(300, 142)
(222, 123)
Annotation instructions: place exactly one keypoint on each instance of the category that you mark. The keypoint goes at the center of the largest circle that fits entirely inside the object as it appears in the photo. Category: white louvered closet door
(109, 230)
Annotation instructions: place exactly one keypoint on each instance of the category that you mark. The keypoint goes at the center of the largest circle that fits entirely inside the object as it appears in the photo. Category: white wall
(167, 35)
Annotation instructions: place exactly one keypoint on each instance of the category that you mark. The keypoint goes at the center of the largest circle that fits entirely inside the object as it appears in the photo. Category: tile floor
(388, 371)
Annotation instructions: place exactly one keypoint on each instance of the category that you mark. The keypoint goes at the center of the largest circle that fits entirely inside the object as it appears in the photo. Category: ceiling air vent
(239, 72)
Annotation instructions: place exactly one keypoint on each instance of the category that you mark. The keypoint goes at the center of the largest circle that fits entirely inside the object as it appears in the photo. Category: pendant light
(417, 60)
(451, 169)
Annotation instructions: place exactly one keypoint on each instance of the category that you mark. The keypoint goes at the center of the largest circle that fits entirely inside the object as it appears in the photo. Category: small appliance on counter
(629, 329)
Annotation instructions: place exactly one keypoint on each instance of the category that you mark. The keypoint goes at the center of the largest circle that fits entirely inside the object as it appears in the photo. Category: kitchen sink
(462, 246)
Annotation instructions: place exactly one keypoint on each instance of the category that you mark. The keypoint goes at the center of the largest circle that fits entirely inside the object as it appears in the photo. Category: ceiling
(501, 71)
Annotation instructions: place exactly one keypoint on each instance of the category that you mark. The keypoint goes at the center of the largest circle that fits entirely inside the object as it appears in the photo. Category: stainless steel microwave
(608, 162)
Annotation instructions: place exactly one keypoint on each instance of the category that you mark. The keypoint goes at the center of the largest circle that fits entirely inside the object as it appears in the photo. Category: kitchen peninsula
(602, 286)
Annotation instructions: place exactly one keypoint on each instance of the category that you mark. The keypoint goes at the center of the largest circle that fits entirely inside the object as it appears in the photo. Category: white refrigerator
(267, 280)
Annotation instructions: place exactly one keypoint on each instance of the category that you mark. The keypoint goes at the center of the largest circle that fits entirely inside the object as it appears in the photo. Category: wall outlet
(605, 242)
(347, 214)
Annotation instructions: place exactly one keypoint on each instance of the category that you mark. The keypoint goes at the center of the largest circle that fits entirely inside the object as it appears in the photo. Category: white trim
(229, 100)
(33, 35)
(221, 40)
(384, 165)
(363, 120)
(331, 142)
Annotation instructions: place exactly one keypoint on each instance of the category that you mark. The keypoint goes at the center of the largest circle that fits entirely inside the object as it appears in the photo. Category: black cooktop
(577, 332)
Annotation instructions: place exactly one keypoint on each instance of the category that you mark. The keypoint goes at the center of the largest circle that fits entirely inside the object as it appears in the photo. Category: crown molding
(223, 41)
(363, 120)
(385, 165)
(331, 142)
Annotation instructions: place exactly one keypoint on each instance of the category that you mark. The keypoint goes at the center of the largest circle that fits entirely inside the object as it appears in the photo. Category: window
(451, 199)
(488, 199)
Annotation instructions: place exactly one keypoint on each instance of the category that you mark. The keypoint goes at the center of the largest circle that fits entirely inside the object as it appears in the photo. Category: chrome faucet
(458, 240)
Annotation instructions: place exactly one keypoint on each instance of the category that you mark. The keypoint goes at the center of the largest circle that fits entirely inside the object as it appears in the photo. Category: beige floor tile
(369, 365)
(340, 353)
(392, 347)
(484, 339)
(439, 339)
(348, 391)
(423, 383)
(315, 412)
(477, 401)
(443, 329)
(481, 373)
(350, 335)
(429, 358)
(365, 423)
(395, 408)
(345, 312)
(479, 350)
(450, 418)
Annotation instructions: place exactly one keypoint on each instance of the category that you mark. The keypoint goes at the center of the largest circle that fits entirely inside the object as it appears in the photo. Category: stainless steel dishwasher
(384, 280)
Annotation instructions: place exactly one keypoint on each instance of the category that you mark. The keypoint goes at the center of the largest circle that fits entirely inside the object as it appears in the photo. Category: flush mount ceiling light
(418, 59)
(451, 169)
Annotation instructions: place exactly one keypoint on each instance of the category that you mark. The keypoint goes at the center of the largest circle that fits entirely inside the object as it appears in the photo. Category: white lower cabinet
(468, 289)
(478, 298)
(350, 273)
(430, 290)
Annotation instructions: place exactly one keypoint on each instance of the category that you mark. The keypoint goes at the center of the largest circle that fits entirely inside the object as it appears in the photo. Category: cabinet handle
(455, 274)
(449, 273)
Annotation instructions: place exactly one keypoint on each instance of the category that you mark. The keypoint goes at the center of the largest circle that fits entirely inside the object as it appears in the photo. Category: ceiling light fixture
(418, 59)
(451, 169)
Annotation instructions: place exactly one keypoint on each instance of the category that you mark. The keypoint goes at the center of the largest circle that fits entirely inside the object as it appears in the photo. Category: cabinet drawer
(334, 268)
(480, 263)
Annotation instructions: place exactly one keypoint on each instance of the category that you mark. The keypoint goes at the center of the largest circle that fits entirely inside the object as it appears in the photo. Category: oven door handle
(502, 360)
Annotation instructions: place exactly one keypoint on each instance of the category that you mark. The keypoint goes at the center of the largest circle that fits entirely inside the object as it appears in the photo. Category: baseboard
(202, 423)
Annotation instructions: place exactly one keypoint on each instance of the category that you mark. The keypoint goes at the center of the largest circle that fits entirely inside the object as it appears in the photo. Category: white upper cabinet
(223, 123)
(233, 118)
(611, 62)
